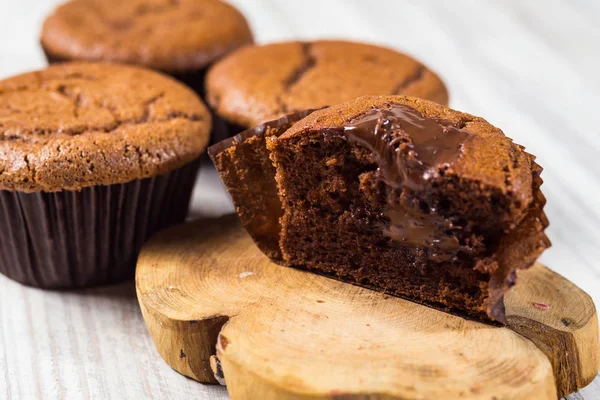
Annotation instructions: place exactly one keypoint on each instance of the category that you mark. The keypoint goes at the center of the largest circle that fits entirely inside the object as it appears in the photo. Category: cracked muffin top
(169, 35)
(261, 83)
(76, 125)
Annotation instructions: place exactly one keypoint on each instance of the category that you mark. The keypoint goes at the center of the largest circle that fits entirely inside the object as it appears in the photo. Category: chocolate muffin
(262, 83)
(94, 158)
(408, 197)
(178, 37)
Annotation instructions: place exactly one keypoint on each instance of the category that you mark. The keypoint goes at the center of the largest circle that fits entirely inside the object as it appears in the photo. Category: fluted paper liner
(90, 237)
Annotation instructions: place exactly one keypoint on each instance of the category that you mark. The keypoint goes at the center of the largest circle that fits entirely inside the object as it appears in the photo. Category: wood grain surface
(280, 333)
(528, 66)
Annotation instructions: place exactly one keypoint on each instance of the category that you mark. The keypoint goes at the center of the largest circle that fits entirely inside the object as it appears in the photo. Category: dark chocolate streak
(410, 149)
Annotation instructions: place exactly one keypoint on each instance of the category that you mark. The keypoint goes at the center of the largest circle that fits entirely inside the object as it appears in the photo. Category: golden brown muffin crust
(169, 35)
(490, 157)
(81, 124)
(261, 83)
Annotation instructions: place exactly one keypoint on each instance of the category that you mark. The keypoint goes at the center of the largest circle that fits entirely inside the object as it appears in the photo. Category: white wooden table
(531, 67)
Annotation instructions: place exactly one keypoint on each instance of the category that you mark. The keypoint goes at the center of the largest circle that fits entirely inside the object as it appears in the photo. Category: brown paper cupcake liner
(246, 170)
(73, 239)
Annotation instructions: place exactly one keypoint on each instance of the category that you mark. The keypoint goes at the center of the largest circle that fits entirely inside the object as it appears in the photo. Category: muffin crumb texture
(249, 175)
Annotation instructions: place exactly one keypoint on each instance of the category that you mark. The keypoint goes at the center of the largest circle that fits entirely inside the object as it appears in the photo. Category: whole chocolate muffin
(262, 83)
(179, 37)
(94, 158)
(400, 195)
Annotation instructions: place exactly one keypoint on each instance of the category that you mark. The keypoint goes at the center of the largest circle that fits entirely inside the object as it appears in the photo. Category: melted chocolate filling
(410, 150)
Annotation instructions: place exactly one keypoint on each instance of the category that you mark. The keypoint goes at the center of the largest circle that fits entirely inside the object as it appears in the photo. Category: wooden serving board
(205, 290)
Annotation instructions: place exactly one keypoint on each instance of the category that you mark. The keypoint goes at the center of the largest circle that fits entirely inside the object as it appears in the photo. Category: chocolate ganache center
(410, 150)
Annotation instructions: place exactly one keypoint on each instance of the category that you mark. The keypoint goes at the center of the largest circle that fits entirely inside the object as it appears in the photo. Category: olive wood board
(210, 297)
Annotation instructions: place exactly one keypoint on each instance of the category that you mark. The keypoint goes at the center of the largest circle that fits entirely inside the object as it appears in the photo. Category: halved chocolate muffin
(408, 197)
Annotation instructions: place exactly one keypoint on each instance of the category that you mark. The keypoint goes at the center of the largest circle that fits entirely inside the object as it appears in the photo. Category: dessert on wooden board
(208, 294)
(182, 38)
(404, 196)
(94, 158)
(256, 84)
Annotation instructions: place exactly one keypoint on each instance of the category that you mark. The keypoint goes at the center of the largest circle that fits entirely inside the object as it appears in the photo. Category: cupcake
(263, 83)
(181, 38)
(392, 193)
(94, 158)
